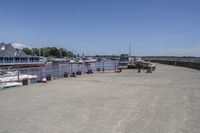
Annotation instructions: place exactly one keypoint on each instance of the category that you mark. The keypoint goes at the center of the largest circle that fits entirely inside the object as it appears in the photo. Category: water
(57, 70)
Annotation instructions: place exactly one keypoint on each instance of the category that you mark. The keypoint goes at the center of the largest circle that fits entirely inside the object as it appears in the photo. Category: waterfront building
(10, 55)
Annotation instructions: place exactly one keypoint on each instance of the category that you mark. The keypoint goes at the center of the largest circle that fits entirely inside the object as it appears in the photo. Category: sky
(152, 27)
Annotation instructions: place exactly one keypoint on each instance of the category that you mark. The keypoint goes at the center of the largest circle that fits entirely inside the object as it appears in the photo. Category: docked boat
(123, 61)
(9, 84)
(12, 76)
(144, 64)
(72, 61)
(89, 60)
(80, 61)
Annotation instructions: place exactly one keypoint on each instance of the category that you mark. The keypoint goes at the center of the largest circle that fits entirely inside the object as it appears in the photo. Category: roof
(7, 50)
(20, 46)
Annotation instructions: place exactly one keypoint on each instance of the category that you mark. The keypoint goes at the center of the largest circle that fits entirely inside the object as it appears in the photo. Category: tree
(50, 52)
(53, 51)
(36, 51)
(46, 52)
(62, 52)
(27, 51)
(69, 54)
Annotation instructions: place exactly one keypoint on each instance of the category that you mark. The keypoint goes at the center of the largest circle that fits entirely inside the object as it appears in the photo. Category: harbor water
(57, 70)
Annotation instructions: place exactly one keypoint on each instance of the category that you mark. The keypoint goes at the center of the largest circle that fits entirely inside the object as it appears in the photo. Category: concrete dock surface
(165, 101)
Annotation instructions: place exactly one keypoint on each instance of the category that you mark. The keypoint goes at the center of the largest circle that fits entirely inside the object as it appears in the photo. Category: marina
(58, 70)
(99, 66)
(17, 68)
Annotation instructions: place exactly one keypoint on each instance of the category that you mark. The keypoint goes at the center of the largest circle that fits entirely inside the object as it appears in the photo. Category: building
(10, 55)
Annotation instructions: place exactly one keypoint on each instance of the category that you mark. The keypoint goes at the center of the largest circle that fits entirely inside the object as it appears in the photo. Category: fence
(53, 70)
(193, 65)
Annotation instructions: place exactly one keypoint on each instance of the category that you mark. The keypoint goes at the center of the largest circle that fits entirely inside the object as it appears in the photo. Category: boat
(131, 63)
(101, 59)
(9, 84)
(114, 58)
(123, 61)
(80, 61)
(72, 61)
(11, 76)
(144, 64)
(89, 60)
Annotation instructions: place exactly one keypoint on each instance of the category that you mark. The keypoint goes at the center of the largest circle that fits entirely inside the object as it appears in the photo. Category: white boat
(9, 84)
(80, 61)
(72, 61)
(89, 60)
(8, 76)
(16, 77)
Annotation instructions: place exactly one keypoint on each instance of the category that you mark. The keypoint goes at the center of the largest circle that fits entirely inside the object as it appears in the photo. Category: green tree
(27, 51)
(52, 52)
(46, 52)
(69, 54)
(36, 51)
(62, 52)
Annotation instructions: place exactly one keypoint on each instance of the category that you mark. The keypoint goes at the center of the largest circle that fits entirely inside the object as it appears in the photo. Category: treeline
(49, 52)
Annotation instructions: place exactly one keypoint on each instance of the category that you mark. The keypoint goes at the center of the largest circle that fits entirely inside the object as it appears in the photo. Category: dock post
(71, 69)
(103, 67)
(18, 73)
(81, 68)
(115, 66)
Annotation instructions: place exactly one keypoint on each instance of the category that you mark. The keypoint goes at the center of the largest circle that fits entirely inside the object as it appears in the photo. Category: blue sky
(154, 27)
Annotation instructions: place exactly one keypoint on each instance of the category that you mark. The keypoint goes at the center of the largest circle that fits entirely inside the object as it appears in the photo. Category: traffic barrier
(98, 69)
(73, 74)
(78, 73)
(66, 75)
(89, 72)
(25, 82)
(118, 70)
(49, 78)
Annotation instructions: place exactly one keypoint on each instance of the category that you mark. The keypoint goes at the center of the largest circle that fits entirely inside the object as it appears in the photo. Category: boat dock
(165, 101)
(49, 71)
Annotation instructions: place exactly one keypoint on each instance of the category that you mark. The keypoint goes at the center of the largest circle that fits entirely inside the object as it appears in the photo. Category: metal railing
(38, 72)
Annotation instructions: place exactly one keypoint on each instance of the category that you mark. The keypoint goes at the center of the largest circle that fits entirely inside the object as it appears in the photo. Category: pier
(48, 71)
(165, 101)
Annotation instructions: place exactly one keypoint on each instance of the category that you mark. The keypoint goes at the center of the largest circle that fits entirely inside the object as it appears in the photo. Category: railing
(21, 63)
(58, 70)
(193, 65)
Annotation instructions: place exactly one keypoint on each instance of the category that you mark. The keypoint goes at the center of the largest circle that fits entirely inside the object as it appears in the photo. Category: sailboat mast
(129, 48)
